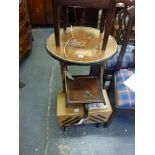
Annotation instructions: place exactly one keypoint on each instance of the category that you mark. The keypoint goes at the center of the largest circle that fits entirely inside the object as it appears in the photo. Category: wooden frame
(109, 5)
(73, 114)
(131, 11)
(94, 56)
(90, 38)
(131, 23)
(126, 31)
(128, 12)
(115, 108)
(84, 81)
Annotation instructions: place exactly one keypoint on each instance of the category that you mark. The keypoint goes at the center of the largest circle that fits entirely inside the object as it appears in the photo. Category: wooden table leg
(63, 69)
(102, 68)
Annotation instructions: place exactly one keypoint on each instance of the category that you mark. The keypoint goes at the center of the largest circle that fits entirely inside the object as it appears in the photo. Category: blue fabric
(127, 59)
(125, 97)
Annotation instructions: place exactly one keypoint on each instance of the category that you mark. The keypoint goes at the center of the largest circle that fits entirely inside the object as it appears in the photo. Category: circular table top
(81, 45)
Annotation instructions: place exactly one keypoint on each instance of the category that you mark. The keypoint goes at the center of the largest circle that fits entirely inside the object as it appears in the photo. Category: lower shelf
(74, 114)
(83, 89)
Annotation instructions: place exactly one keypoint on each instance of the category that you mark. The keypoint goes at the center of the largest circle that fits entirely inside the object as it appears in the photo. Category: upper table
(81, 46)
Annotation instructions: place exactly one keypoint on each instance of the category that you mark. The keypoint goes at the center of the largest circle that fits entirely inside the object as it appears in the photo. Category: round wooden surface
(84, 47)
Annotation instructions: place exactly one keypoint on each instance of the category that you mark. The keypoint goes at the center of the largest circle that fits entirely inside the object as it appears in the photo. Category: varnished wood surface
(86, 3)
(25, 34)
(100, 114)
(41, 12)
(62, 110)
(83, 90)
(76, 112)
(107, 102)
(67, 115)
(85, 48)
(36, 9)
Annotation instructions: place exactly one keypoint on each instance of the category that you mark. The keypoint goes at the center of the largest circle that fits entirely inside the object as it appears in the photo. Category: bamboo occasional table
(81, 46)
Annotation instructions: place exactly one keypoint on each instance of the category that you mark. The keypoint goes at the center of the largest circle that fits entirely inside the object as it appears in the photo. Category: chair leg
(56, 20)
(65, 18)
(104, 78)
(64, 128)
(101, 74)
(111, 85)
(103, 16)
